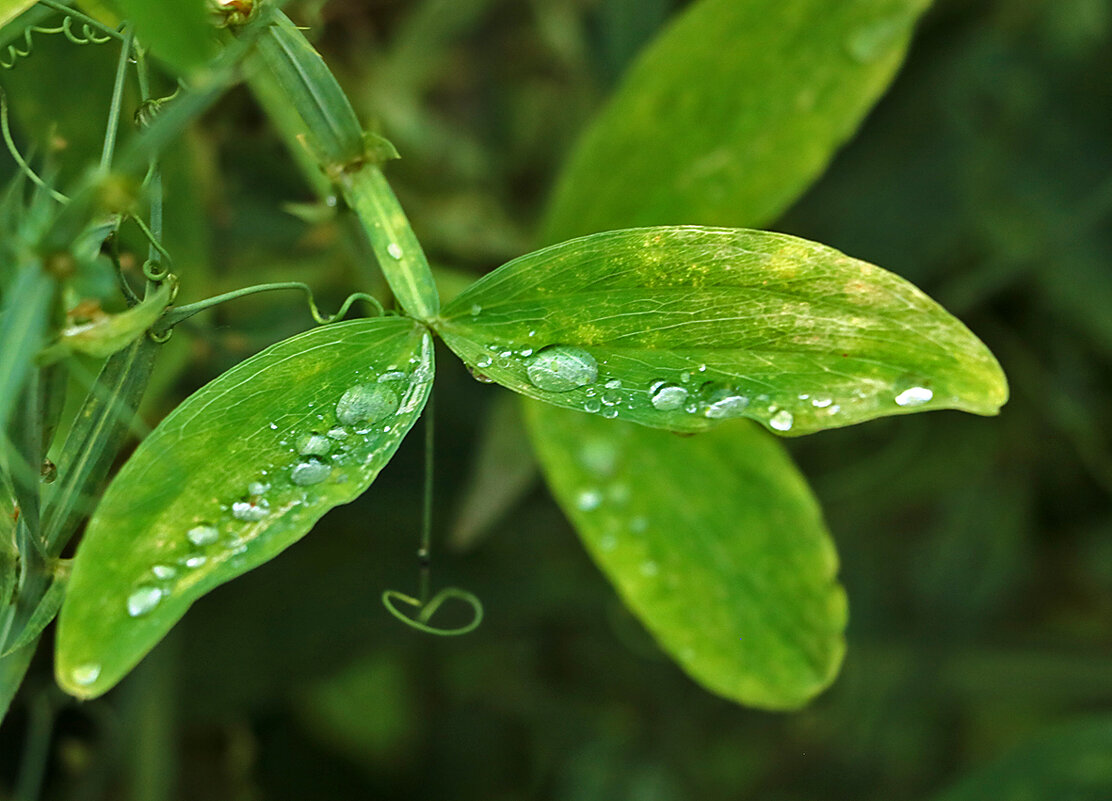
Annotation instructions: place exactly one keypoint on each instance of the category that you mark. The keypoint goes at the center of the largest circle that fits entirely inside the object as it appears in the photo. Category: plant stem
(424, 550)
(109, 148)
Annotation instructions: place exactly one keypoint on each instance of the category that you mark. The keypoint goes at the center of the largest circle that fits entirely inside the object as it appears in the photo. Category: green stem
(24, 167)
(113, 127)
(180, 313)
(424, 550)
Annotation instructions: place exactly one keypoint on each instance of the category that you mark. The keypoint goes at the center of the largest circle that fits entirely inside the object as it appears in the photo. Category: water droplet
(668, 397)
(685, 376)
(649, 568)
(203, 534)
(725, 403)
(835, 409)
(615, 383)
(310, 472)
(314, 445)
(611, 398)
(337, 433)
(143, 600)
(86, 674)
(702, 368)
(525, 352)
(363, 403)
(476, 310)
(781, 420)
(257, 488)
(194, 561)
(561, 368)
(915, 396)
(395, 250)
(484, 362)
(821, 403)
(163, 572)
(610, 412)
(392, 375)
(588, 499)
(591, 405)
(250, 510)
(273, 426)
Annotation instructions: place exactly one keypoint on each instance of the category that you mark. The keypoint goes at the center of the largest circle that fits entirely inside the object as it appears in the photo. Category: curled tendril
(154, 271)
(160, 337)
(21, 162)
(426, 610)
(87, 35)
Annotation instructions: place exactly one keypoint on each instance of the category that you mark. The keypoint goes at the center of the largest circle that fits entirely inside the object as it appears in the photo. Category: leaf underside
(237, 473)
(727, 561)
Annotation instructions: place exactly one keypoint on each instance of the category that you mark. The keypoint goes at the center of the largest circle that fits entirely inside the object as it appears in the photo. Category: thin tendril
(427, 607)
(113, 126)
(24, 167)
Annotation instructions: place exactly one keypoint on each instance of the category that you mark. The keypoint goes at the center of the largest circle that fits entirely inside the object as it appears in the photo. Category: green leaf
(236, 474)
(1069, 762)
(731, 113)
(111, 333)
(12, 670)
(22, 327)
(177, 31)
(10, 9)
(681, 327)
(726, 561)
(43, 613)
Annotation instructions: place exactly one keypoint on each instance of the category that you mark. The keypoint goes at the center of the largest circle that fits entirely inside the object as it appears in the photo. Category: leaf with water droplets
(731, 113)
(726, 561)
(682, 327)
(241, 470)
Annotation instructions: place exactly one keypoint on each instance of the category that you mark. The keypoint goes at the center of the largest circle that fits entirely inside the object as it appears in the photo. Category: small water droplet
(668, 397)
(314, 445)
(611, 398)
(588, 500)
(392, 375)
(610, 412)
(525, 352)
(273, 426)
(310, 472)
(781, 420)
(835, 409)
(203, 535)
(649, 568)
(164, 572)
(257, 488)
(915, 396)
(143, 600)
(250, 510)
(363, 403)
(194, 561)
(86, 674)
(476, 310)
(337, 433)
(614, 383)
(702, 368)
(395, 250)
(591, 405)
(561, 368)
(820, 402)
(484, 362)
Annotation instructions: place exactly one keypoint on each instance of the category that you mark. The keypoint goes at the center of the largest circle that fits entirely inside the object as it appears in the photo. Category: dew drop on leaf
(314, 445)
(668, 397)
(588, 499)
(86, 674)
(725, 403)
(915, 396)
(143, 599)
(395, 250)
(309, 472)
(203, 534)
(366, 404)
(782, 420)
(561, 368)
(250, 511)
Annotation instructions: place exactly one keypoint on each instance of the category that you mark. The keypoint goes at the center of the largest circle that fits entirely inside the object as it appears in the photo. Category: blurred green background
(977, 553)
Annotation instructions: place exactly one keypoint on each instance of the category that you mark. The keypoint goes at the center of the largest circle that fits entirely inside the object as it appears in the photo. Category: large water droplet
(668, 397)
(314, 445)
(561, 368)
(310, 472)
(86, 674)
(143, 600)
(781, 420)
(203, 535)
(363, 403)
(725, 403)
(251, 510)
(915, 396)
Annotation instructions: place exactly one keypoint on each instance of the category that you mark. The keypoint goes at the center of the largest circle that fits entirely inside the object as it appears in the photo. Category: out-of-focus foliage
(977, 554)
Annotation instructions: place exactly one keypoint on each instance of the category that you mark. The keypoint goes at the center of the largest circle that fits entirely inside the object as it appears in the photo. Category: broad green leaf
(177, 31)
(10, 9)
(111, 333)
(682, 327)
(726, 561)
(731, 112)
(1073, 762)
(237, 473)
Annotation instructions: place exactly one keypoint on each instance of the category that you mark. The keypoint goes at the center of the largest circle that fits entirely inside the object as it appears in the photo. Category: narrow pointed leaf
(236, 474)
(111, 333)
(43, 613)
(727, 561)
(681, 327)
(12, 670)
(22, 327)
(731, 113)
